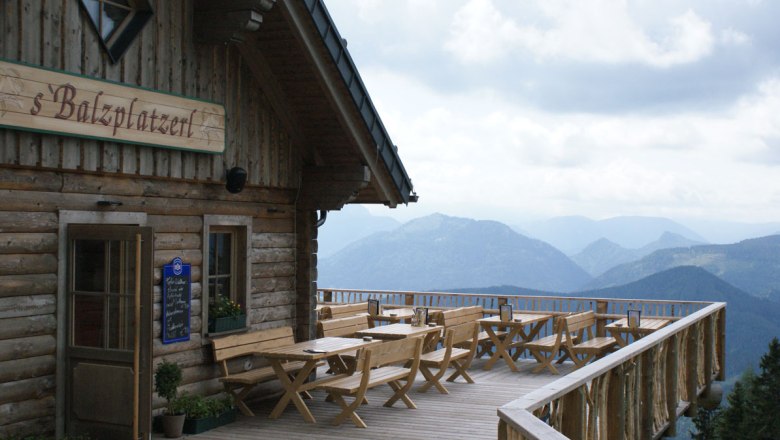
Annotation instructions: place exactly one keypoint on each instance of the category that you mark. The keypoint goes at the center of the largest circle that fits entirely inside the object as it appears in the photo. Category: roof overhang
(315, 88)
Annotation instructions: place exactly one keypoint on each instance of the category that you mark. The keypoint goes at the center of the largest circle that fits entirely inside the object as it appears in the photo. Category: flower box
(196, 426)
(226, 323)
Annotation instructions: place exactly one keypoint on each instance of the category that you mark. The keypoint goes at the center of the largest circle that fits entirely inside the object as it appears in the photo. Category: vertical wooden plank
(692, 367)
(9, 154)
(147, 74)
(254, 121)
(709, 350)
(92, 66)
(130, 74)
(189, 79)
(672, 384)
(51, 54)
(721, 345)
(243, 98)
(573, 424)
(221, 90)
(30, 32)
(173, 43)
(273, 175)
(647, 394)
(616, 405)
(70, 33)
(162, 80)
(111, 153)
(266, 144)
(205, 90)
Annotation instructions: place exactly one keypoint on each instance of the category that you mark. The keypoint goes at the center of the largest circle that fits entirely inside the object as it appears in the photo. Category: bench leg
(433, 380)
(460, 370)
(400, 393)
(348, 411)
(544, 361)
(238, 398)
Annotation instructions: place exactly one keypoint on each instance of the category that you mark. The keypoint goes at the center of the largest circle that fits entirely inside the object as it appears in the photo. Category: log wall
(29, 245)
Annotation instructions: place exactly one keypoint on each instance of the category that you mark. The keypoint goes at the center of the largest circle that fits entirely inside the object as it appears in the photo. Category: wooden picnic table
(392, 316)
(310, 352)
(392, 332)
(620, 329)
(516, 328)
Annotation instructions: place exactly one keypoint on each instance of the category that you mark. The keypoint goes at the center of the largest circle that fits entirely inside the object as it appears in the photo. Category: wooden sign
(42, 100)
(176, 302)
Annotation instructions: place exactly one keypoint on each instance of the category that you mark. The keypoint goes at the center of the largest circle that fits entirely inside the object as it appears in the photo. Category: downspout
(323, 217)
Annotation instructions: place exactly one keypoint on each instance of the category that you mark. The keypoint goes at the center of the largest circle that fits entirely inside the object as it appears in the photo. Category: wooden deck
(468, 412)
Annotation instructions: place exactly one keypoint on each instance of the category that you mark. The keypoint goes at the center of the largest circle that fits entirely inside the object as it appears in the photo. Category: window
(117, 22)
(226, 268)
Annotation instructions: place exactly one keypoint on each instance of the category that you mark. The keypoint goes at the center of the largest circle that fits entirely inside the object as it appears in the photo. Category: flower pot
(173, 425)
(226, 323)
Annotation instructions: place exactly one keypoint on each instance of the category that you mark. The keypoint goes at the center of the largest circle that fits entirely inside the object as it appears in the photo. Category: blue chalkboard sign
(176, 302)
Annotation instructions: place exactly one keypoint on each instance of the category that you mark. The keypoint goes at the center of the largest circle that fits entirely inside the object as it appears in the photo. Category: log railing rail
(636, 392)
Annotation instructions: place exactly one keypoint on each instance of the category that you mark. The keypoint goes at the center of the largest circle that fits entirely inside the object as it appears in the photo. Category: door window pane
(89, 261)
(88, 320)
(121, 318)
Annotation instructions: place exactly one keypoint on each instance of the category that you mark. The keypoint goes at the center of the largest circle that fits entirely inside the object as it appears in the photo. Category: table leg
(501, 348)
(291, 388)
(618, 337)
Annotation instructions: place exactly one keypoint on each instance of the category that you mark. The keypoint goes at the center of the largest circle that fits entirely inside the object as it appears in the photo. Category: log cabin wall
(42, 174)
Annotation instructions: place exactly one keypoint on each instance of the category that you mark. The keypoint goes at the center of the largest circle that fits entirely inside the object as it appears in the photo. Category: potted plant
(167, 378)
(203, 414)
(225, 315)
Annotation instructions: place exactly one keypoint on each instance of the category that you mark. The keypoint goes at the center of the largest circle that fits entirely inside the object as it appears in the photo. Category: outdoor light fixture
(235, 178)
(108, 203)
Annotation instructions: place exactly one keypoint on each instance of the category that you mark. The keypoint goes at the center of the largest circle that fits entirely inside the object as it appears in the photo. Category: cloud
(733, 37)
(595, 31)
(476, 153)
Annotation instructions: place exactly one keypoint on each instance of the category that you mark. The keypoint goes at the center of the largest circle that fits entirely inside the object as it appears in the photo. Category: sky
(522, 109)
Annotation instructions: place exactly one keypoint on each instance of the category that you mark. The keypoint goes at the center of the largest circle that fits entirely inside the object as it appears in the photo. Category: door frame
(67, 217)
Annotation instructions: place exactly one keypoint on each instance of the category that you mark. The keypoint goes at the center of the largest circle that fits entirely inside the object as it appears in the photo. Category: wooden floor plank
(468, 412)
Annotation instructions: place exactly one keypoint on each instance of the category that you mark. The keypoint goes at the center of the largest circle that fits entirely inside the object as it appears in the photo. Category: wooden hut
(157, 156)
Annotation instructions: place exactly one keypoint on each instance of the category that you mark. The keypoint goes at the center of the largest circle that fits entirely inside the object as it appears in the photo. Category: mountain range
(752, 265)
(572, 234)
(350, 224)
(602, 255)
(438, 250)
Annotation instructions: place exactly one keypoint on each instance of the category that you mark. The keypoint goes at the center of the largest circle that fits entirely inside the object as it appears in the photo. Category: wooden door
(109, 358)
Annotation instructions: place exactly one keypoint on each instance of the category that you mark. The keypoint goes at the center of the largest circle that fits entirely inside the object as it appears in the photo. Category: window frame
(241, 229)
(126, 31)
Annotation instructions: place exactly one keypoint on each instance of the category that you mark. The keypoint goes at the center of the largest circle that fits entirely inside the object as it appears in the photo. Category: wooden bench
(568, 332)
(375, 368)
(343, 310)
(592, 346)
(240, 383)
(450, 356)
(344, 327)
(463, 315)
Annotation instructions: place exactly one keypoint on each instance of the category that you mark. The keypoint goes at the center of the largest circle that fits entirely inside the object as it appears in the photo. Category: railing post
(408, 299)
(573, 424)
(692, 375)
(647, 407)
(327, 296)
(601, 325)
(672, 390)
(721, 345)
(616, 404)
(709, 350)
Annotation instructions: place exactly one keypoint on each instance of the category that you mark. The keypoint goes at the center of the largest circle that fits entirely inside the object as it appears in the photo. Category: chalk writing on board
(176, 302)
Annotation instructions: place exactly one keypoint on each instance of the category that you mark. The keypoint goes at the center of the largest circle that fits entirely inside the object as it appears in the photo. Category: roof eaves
(337, 49)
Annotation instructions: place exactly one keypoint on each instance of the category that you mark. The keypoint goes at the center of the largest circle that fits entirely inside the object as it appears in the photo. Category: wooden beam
(616, 404)
(223, 22)
(672, 391)
(332, 187)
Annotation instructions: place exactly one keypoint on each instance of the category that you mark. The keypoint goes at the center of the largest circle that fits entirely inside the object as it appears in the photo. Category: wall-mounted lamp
(108, 203)
(235, 178)
(413, 198)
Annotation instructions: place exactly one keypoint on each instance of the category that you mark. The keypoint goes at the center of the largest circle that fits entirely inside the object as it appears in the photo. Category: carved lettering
(36, 104)
(68, 93)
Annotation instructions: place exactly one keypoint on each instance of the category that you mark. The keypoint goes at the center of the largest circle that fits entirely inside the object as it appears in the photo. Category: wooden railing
(637, 392)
